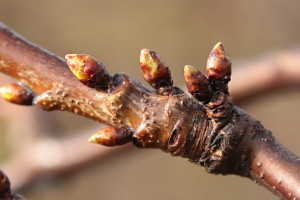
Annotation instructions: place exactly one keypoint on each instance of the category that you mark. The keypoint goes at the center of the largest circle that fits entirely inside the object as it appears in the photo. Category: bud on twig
(218, 67)
(17, 93)
(112, 136)
(197, 84)
(88, 70)
(156, 72)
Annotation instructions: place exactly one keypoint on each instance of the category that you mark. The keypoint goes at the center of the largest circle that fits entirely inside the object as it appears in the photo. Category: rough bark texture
(233, 143)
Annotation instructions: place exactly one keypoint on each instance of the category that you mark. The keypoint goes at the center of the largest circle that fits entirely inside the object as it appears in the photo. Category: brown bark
(265, 160)
(224, 143)
(274, 166)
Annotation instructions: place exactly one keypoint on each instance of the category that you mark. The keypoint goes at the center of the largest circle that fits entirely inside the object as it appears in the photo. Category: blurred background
(182, 32)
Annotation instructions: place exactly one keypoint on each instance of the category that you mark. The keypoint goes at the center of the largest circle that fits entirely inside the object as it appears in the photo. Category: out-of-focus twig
(53, 156)
(270, 72)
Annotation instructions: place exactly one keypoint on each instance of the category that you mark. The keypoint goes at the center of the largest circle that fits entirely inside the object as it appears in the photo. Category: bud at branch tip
(218, 64)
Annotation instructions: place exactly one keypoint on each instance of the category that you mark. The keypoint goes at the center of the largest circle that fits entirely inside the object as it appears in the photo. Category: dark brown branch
(222, 139)
(274, 166)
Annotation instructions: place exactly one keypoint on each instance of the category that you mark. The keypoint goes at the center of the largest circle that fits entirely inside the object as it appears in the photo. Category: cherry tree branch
(206, 129)
(244, 86)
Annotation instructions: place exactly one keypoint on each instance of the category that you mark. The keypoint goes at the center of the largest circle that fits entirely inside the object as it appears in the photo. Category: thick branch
(273, 166)
(212, 133)
(264, 160)
(244, 86)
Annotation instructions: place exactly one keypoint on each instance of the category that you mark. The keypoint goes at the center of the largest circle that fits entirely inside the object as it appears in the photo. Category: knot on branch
(209, 142)
(212, 89)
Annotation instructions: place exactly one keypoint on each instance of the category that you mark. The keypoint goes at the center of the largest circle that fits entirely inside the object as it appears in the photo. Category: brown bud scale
(112, 136)
(155, 71)
(197, 84)
(218, 69)
(17, 93)
(88, 70)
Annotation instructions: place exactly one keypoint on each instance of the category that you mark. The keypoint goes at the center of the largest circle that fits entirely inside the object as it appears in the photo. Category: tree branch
(212, 133)
(267, 73)
(244, 85)
(62, 155)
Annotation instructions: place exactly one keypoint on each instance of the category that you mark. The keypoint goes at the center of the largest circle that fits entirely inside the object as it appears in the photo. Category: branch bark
(244, 86)
(213, 134)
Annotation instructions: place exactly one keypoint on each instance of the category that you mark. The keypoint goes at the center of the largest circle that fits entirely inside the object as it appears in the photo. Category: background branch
(273, 71)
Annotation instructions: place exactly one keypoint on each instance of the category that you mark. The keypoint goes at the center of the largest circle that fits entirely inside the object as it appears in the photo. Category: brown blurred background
(182, 32)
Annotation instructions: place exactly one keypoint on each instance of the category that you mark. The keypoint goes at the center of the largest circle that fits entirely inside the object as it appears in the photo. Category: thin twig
(270, 72)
